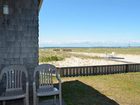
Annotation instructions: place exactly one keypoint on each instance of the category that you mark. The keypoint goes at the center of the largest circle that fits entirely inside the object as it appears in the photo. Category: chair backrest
(45, 73)
(14, 74)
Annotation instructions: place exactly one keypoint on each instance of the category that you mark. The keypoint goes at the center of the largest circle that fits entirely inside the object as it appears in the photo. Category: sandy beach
(127, 57)
(75, 61)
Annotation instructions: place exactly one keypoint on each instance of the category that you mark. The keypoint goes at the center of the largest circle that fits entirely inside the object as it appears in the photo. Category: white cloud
(86, 43)
(135, 41)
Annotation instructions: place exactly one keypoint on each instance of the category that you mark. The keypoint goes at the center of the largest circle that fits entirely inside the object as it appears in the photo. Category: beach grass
(135, 51)
(59, 54)
(48, 55)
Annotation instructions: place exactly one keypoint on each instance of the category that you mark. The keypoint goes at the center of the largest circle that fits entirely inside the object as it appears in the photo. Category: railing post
(126, 68)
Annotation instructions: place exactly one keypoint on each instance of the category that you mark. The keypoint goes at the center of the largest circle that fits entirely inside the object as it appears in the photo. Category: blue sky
(89, 23)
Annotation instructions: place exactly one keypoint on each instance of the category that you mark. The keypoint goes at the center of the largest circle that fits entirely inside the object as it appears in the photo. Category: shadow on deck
(76, 93)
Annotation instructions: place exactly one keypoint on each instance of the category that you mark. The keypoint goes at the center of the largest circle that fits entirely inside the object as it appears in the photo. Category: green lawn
(117, 89)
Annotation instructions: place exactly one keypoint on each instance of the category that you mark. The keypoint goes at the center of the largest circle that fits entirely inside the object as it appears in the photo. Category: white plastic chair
(14, 86)
(45, 73)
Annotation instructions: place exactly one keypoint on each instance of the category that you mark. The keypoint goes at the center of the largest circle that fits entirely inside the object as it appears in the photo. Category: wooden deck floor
(51, 102)
(46, 102)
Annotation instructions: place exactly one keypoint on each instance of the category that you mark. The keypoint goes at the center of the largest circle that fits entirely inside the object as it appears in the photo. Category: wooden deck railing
(98, 70)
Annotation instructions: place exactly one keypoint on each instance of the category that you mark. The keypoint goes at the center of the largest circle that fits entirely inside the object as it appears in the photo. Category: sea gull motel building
(19, 34)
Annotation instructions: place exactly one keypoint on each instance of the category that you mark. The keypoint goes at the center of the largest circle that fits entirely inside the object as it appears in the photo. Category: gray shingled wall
(19, 34)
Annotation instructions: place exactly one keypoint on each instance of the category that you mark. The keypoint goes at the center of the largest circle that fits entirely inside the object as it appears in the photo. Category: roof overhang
(40, 3)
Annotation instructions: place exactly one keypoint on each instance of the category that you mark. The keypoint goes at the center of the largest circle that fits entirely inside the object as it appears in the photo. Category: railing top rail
(98, 66)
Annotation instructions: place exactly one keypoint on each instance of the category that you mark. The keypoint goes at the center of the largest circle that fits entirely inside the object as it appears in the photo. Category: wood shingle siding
(19, 35)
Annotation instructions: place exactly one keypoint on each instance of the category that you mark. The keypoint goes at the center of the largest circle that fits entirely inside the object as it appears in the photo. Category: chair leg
(60, 99)
(55, 100)
(27, 101)
(34, 100)
(3, 103)
(24, 101)
(37, 100)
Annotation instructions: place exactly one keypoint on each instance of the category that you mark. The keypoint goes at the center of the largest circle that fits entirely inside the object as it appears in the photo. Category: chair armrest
(34, 87)
(34, 83)
(60, 81)
(58, 78)
(27, 83)
(0, 77)
(27, 88)
(60, 85)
